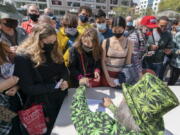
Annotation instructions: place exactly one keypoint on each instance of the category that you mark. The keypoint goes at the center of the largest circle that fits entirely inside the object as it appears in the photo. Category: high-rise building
(156, 5)
(144, 4)
(62, 6)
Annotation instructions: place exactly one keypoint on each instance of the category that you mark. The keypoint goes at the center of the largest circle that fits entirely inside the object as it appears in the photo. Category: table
(64, 126)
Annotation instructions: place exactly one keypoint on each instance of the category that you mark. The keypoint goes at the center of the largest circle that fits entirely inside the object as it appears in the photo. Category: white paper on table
(96, 106)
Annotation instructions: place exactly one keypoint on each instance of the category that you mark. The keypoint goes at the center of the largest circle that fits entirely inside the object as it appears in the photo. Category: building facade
(62, 6)
(144, 4)
(155, 5)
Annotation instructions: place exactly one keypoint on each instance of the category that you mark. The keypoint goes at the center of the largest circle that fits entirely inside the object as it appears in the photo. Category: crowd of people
(38, 54)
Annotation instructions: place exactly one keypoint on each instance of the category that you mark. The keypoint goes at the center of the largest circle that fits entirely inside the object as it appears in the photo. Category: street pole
(48, 3)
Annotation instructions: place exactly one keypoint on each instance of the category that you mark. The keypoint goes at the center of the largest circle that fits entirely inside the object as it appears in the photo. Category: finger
(7, 92)
(62, 85)
(65, 86)
(95, 75)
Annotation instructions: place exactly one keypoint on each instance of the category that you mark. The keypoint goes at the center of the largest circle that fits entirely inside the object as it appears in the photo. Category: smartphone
(59, 84)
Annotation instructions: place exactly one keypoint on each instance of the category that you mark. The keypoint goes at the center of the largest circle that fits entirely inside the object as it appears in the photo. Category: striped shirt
(139, 49)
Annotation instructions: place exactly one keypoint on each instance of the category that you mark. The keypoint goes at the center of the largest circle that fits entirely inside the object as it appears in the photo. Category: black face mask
(118, 35)
(48, 47)
(11, 23)
(34, 17)
(50, 14)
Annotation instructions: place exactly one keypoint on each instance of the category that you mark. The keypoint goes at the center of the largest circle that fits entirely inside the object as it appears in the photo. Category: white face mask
(101, 26)
(86, 48)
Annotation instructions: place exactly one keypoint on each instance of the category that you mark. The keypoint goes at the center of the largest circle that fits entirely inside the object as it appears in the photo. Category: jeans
(157, 68)
(175, 73)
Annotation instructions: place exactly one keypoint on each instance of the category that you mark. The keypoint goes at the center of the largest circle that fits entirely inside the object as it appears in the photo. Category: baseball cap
(149, 21)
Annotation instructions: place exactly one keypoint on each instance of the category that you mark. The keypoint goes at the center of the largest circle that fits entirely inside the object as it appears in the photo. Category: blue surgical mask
(129, 24)
(83, 18)
(126, 33)
(50, 14)
(178, 28)
(101, 26)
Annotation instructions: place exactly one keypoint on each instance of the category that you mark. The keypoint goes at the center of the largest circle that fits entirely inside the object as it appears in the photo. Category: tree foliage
(169, 5)
(125, 11)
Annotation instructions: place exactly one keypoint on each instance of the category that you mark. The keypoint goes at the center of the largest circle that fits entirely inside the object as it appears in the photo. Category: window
(42, 6)
(100, 7)
(56, 2)
(42, 0)
(59, 12)
(101, 1)
(73, 4)
(114, 2)
(89, 0)
(20, 4)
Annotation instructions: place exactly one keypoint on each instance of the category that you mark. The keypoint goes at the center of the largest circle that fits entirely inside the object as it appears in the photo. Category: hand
(12, 91)
(11, 81)
(107, 102)
(84, 81)
(97, 76)
(8, 83)
(154, 47)
(111, 82)
(178, 52)
(167, 51)
(64, 85)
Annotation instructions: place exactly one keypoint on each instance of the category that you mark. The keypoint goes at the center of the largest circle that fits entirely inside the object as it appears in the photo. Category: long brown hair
(70, 20)
(91, 35)
(5, 53)
(32, 45)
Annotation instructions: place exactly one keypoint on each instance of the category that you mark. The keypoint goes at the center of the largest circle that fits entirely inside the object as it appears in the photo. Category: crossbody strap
(107, 46)
(82, 63)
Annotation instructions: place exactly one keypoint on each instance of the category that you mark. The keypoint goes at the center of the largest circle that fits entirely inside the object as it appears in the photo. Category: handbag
(131, 75)
(33, 120)
(6, 114)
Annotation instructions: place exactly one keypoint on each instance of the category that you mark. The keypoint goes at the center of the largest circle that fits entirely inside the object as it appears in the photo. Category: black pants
(51, 104)
(16, 127)
(175, 73)
(15, 106)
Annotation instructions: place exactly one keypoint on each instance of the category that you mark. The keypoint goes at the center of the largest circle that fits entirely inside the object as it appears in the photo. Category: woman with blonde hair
(85, 65)
(42, 72)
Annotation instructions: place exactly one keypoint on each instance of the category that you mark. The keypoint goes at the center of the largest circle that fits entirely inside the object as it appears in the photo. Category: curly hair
(32, 46)
(91, 35)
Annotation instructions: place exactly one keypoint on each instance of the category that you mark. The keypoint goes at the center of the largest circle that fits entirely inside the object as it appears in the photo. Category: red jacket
(27, 26)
